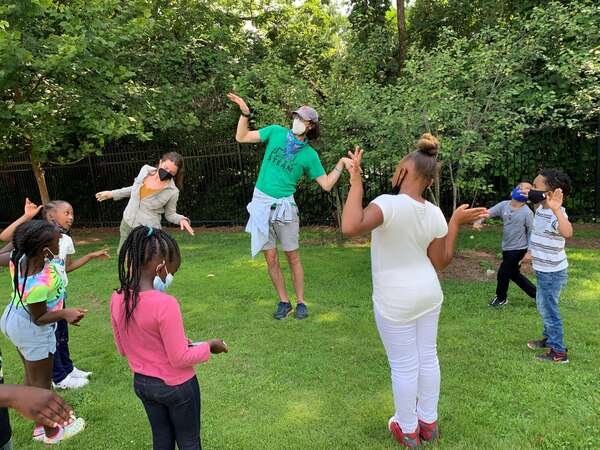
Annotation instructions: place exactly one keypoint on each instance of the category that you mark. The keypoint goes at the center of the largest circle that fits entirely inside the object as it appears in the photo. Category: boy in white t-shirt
(551, 227)
(60, 213)
(410, 240)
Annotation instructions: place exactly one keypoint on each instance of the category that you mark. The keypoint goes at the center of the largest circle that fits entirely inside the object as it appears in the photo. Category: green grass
(324, 383)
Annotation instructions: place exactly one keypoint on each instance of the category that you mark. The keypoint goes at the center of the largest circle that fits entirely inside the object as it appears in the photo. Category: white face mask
(298, 127)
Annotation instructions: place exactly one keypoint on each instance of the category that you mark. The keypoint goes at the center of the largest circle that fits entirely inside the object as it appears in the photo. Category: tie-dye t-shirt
(45, 286)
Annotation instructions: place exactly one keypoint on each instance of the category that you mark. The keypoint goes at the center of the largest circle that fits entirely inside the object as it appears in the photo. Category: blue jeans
(173, 412)
(7, 446)
(549, 285)
(63, 365)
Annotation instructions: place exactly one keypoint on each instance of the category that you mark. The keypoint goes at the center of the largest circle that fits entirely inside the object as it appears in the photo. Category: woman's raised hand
(184, 224)
(104, 195)
(464, 215)
(240, 102)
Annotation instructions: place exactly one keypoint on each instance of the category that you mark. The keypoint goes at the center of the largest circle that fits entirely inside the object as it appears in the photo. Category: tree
(402, 33)
(76, 75)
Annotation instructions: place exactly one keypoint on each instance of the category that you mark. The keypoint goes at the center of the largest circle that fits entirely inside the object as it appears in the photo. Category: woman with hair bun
(154, 192)
(410, 240)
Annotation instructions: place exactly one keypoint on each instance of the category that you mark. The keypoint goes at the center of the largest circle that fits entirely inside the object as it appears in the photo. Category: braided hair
(29, 240)
(142, 244)
(51, 206)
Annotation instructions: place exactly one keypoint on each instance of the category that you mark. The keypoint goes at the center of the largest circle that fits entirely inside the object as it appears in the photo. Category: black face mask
(60, 228)
(164, 174)
(536, 196)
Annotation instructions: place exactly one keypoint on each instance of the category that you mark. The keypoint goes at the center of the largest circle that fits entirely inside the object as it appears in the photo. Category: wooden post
(38, 172)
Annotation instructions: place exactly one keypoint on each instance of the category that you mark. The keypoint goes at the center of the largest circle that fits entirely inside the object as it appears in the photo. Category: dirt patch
(586, 227)
(587, 243)
(471, 265)
(331, 238)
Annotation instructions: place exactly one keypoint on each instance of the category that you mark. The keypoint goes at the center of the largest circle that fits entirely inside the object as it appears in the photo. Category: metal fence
(220, 177)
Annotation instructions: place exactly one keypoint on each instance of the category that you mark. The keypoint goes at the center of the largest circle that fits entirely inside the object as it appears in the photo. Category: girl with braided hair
(29, 320)
(148, 330)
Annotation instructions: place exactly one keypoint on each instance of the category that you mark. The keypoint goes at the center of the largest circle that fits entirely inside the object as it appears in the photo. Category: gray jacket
(148, 211)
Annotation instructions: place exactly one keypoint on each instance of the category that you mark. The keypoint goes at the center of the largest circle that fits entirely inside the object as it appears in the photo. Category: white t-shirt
(65, 248)
(547, 245)
(405, 283)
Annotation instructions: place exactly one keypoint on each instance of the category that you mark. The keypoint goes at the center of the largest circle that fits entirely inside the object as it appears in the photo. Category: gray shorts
(288, 234)
(34, 342)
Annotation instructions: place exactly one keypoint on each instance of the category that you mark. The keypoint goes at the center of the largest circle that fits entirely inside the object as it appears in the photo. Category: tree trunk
(38, 172)
(402, 33)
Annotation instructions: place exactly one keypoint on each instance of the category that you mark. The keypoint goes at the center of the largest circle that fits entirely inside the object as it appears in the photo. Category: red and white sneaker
(410, 440)
(428, 432)
(39, 433)
(64, 433)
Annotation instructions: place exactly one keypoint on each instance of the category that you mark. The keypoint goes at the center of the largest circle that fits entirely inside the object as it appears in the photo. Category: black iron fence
(220, 177)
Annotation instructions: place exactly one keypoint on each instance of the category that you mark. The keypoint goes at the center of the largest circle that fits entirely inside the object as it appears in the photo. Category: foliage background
(497, 81)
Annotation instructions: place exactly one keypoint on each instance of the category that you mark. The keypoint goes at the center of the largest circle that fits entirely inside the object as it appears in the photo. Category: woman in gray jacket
(154, 192)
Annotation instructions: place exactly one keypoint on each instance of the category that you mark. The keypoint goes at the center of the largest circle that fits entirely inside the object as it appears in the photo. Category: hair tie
(150, 231)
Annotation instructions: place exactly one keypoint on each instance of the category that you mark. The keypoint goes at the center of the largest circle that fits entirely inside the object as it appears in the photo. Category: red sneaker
(554, 356)
(429, 432)
(410, 440)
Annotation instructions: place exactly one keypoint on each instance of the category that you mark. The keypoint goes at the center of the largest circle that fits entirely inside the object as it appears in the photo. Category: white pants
(412, 353)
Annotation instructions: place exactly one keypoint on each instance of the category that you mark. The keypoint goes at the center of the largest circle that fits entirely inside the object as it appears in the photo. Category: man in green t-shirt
(273, 212)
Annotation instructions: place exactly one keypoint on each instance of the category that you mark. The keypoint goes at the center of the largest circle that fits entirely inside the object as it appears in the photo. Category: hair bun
(428, 144)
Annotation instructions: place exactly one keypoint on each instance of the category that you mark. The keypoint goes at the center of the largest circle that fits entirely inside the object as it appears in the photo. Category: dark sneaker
(554, 356)
(301, 311)
(284, 309)
(428, 432)
(498, 302)
(536, 345)
(410, 440)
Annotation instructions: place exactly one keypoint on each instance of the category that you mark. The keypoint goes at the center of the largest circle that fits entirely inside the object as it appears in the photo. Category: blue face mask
(161, 285)
(518, 195)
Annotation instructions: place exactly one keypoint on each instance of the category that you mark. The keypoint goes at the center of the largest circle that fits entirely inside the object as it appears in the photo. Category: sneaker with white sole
(75, 427)
(39, 433)
(77, 373)
(71, 382)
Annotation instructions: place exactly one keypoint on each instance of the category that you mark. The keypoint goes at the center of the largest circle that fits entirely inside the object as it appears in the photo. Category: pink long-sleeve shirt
(154, 341)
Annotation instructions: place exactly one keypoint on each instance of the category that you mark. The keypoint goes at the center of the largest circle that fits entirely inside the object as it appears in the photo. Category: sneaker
(284, 309)
(535, 345)
(75, 427)
(554, 356)
(39, 433)
(428, 432)
(71, 382)
(498, 301)
(410, 440)
(301, 311)
(76, 373)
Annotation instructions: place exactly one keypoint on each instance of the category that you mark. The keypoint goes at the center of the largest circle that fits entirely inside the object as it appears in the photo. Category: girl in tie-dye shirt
(29, 318)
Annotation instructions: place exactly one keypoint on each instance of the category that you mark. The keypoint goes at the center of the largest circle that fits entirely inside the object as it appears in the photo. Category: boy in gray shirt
(517, 218)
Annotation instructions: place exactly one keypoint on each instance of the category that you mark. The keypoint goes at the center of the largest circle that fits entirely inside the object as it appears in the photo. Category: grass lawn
(323, 383)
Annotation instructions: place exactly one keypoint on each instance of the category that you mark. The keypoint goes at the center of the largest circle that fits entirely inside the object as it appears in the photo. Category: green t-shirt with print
(281, 171)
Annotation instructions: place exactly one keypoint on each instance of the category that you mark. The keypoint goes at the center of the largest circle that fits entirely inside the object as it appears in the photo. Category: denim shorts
(34, 342)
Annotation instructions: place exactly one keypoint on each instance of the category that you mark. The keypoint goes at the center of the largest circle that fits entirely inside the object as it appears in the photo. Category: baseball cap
(307, 113)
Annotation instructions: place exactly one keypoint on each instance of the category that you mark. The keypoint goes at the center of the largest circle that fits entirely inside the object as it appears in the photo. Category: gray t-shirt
(518, 224)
